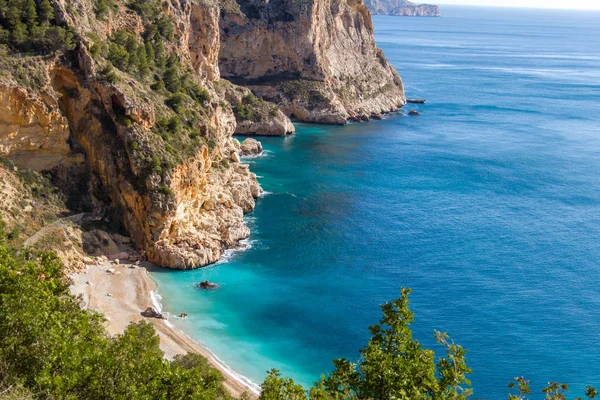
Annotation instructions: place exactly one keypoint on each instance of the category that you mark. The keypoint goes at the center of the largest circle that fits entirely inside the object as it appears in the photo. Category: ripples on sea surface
(487, 206)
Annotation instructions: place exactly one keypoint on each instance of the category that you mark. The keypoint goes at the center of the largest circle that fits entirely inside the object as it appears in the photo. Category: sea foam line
(243, 380)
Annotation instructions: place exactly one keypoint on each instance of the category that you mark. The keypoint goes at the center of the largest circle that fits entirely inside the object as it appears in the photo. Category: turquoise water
(487, 206)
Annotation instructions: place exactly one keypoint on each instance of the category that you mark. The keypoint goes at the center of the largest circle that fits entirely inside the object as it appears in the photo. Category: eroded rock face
(255, 116)
(402, 8)
(184, 215)
(183, 220)
(316, 58)
(32, 129)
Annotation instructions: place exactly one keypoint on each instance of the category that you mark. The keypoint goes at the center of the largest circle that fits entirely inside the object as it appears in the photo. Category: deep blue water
(487, 206)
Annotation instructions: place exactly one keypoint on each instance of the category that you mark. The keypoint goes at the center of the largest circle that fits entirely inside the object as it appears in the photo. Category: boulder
(413, 112)
(152, 312)
(119, 256)
(251, 147)
(207, 285)
(120, 239)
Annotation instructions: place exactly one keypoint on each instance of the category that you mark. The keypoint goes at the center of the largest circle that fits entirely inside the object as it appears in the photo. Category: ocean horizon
(487, 205)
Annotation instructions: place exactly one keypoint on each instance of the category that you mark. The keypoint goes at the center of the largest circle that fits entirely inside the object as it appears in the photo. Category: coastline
(122, 296)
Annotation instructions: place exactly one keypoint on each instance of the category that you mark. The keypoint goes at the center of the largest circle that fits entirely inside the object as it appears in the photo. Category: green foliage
(199, 94)
(553, 391)
(276, 387)
(253, 108)
(243, 112)
(304, 90)
(27, 25)
(51, 348)
(108, 74)
(176, 102)
(171, 79)
(394, 365)
(102, 7)
(156, 164)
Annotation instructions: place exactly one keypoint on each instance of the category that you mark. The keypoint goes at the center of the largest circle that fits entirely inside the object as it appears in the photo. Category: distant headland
(402, 8)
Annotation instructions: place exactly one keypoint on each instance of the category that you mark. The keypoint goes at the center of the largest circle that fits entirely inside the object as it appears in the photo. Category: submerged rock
(413, 112)
(207, 285)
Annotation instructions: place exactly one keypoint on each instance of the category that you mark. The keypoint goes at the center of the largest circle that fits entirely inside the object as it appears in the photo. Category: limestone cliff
(126, 110)
(317, 59)
(402, 8)
(164, 161)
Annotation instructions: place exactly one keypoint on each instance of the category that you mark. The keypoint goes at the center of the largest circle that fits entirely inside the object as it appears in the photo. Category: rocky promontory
(316, 59)
(402, 8)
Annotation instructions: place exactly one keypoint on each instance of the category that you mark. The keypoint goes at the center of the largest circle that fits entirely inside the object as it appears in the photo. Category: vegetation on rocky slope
(30, 25)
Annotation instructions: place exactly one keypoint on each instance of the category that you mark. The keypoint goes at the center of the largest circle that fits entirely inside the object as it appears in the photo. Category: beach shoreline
(121, 292)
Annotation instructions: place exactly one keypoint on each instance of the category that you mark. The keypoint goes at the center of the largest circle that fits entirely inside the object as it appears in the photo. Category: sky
(573, 4)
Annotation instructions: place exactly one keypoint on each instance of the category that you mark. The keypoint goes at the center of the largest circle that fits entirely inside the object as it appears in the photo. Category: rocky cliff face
(183, 207)
(32, 129)
(402, 8)
(132, 114)
(317, 59)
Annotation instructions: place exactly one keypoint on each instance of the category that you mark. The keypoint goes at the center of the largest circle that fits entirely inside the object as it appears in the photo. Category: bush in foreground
(51, 348)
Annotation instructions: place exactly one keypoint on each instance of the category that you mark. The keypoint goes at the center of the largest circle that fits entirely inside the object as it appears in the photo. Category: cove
(487, 206)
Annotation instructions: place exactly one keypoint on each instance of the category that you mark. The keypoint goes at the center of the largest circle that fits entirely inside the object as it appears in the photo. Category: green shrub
(155, 164)
(108, 74)
(51, 348)
(199, 94)
(176, 102)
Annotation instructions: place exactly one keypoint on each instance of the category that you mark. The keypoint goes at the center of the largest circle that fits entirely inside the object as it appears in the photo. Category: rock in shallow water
(251, 147)
(207, 285)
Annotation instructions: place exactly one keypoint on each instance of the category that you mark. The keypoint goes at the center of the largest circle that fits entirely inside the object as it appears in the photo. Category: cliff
(126, 110)
(162, 159)
(403, 8)
(317, 59)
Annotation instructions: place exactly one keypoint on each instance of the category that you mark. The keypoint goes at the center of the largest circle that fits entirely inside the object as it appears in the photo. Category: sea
(487, 206)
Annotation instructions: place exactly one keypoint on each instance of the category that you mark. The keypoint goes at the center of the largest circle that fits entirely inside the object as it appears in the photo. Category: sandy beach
(123, 294)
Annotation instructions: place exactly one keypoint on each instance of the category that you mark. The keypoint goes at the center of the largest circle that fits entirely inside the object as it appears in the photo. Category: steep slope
(154, 132)
(317, 59)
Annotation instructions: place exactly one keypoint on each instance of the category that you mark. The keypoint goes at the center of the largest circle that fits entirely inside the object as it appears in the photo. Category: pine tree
(159, 56)
(171, 79)
(19, 34)
(46, 11)
(30, 15)
(149, 53)
(143, 66)
(131, 47)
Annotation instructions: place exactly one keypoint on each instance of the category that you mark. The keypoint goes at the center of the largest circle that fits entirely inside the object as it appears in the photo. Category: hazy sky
(579, 4)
